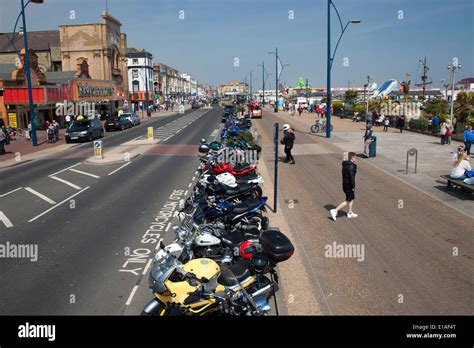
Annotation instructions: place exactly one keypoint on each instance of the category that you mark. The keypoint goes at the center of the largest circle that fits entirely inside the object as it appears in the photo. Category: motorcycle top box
(276, 245)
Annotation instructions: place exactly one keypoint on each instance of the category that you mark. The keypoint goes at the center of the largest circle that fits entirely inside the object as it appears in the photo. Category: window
(135, 73)
(136, 86)
(135, 61)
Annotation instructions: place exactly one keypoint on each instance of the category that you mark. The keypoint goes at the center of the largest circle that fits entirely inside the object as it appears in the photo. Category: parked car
(84, 130)
(195, 105)
(132, 117)
(117, 122)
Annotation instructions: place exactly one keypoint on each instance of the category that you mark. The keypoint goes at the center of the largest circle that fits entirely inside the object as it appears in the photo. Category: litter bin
(373, 147)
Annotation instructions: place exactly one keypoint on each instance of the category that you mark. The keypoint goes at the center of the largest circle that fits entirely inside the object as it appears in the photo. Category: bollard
(275, 179)
(150, 133)
(410, 153)
(98, 153)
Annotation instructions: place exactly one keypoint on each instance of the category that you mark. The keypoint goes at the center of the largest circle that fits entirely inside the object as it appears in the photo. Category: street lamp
(452, 68)
(34, 139)
(330, 59)
(264, 72)
(277, 59)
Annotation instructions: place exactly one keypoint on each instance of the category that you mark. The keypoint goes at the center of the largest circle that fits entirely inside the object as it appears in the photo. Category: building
(55, 94)
(103, 45)
(46, 44)
(140, 77)
(232, 88)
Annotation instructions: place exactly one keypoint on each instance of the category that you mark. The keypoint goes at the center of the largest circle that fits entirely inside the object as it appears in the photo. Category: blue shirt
(435, 120)
(468, 135)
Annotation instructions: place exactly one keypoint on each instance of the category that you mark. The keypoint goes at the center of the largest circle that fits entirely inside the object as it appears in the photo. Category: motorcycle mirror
(202, 141)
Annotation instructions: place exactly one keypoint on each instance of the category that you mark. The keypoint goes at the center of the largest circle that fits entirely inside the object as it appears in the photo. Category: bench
(457, 182)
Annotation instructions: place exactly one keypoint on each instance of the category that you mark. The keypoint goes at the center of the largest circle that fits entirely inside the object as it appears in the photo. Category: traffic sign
(98, 148)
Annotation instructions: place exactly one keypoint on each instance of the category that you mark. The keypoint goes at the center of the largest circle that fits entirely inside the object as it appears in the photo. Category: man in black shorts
(349, 170)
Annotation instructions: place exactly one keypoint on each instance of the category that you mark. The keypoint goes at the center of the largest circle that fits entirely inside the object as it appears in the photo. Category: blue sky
(214, 32)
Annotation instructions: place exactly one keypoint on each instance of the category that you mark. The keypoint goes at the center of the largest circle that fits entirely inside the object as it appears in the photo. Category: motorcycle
(202, 287)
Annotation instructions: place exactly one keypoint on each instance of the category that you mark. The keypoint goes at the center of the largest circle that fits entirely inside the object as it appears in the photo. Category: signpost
(12, 120)
(98, 149)
(275, 179)
(150, 133)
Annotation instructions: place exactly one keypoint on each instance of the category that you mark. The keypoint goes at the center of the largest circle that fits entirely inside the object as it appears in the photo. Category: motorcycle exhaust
(151, 306)
(268, 290)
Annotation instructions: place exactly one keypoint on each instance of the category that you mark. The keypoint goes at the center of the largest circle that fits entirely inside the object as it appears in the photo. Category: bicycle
(320, 126)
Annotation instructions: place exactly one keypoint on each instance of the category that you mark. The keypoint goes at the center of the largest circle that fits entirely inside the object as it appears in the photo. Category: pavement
(407, 253)
(93, 224)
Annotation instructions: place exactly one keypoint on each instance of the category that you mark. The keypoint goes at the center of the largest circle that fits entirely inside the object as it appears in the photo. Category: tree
(436, 106)
(337, 107)
(464, 105)
(359, 108)
(350, 96)
(324, 100)
(375, 105)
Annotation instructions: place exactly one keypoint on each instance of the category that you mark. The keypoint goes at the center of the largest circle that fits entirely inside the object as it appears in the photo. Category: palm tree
(464, 105)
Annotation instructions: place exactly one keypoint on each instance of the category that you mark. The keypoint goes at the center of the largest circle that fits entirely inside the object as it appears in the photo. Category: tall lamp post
(34, 139)
(452, 68)
(330, 59)
(264, 72)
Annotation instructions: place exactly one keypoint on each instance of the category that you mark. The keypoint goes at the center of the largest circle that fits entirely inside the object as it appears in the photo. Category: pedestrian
(386, 123)
(448, 131)
(460, 167)
(430, 124)
(460, 150)
(2, 142)
(349, 171)
(401, 123)
(68, 121)
(435, 123)
(288, 140)
(56, 130)
(368, 138)
(468, 138)
(300, 109)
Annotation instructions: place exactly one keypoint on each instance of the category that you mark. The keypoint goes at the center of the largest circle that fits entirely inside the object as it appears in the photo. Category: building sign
(87, 91)
(12, 121)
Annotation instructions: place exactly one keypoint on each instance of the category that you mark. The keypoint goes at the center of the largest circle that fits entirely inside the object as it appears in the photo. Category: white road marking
(186, 192)
(134, 290)
(40, 195)
(6, 221)
(81, 172)
(6, 194)
(190, 184)
(66, 182)
(116, 170)
(168, 227)
(158, 244)
(147, 266)
(137, 137)
(63, 170)
(57, 205)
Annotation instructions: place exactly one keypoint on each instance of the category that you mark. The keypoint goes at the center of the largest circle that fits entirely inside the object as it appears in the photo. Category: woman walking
(288, 140)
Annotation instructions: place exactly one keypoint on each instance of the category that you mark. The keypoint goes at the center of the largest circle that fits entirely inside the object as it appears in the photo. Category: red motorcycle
(238, 170)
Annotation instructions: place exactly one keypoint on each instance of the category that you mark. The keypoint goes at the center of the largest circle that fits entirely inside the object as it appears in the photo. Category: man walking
(288, 140)
(349, 170)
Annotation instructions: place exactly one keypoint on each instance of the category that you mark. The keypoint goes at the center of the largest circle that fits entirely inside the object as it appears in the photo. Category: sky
(204, 37)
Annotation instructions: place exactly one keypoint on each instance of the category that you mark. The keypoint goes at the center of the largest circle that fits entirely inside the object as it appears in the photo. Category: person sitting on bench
(460, 167)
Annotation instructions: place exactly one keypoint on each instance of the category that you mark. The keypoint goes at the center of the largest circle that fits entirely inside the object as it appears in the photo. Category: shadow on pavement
(455, 192)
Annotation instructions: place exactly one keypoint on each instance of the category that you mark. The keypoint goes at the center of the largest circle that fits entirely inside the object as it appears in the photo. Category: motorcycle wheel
(156, 312)
(314, 129)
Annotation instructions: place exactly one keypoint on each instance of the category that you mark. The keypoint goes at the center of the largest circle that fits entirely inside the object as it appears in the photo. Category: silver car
(132, 117)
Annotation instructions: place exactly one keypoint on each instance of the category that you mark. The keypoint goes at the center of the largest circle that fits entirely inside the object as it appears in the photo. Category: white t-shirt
(68, 118)
(459, 170)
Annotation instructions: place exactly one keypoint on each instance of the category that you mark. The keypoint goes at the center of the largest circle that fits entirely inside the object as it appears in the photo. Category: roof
(140, 54)
(60, 76)
(37, 40)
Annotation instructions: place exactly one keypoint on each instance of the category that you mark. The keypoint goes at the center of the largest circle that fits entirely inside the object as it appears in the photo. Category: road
(418, 253)
(90, 222)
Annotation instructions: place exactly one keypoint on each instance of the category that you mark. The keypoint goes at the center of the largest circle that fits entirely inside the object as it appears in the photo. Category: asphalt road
(92, 248)
(418, 253)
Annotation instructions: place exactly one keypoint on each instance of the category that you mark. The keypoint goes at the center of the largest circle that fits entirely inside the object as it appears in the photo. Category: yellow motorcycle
(202, 287)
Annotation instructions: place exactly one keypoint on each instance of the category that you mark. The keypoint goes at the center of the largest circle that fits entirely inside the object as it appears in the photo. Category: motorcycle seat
(239, 270)
(241, 167)
(245, 206)
(246, 177)
(241, 188)
(233, 239)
